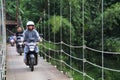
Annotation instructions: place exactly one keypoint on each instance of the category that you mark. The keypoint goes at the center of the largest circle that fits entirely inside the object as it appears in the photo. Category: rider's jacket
(31, 34)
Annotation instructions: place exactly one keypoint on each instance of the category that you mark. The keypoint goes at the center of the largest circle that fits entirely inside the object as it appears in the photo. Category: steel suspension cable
(70, 34)
(102, 44)
(61, 61)
(44, 32)
(83, 46)
(83, 33)
(55, 26)
(89, 62)
(61, 31)
(41, 26)
(49, 26)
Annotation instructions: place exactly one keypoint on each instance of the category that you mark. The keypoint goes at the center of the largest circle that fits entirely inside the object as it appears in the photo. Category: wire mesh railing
(75, 58)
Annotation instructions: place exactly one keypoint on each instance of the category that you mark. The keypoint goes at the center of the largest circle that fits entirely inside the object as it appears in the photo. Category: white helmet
(30, 23)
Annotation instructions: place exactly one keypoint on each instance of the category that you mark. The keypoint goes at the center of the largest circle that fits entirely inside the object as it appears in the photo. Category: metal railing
(2, 42)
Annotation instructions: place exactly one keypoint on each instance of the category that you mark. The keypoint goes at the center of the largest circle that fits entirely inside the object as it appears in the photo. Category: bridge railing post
(2, 41)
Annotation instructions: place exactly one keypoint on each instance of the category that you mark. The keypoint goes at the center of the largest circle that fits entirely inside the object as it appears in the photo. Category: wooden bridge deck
(17, 70)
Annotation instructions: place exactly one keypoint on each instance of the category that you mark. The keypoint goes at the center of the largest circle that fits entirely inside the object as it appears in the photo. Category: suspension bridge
(12, 66)
(54, 62)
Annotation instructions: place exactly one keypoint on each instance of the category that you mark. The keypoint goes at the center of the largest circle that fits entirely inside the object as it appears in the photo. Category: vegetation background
(70, 17)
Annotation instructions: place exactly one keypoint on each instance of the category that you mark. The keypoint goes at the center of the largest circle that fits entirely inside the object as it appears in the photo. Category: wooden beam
(10, 22)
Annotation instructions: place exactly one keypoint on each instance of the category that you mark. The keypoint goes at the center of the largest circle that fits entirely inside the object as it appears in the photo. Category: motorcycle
(12, 40)
(31, 54)
(20, 44)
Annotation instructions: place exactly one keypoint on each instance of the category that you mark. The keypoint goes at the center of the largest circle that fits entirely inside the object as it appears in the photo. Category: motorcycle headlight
(20, 43)
(32, 48)
(12, 40)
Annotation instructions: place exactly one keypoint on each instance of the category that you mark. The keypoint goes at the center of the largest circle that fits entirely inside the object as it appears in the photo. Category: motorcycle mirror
(41, 35)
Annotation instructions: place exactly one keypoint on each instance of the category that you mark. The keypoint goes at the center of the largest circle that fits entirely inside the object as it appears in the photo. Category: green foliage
(11, 9)
(111, 20)
(58, 24)
(112, 44)
(48, 46)
(57, 21)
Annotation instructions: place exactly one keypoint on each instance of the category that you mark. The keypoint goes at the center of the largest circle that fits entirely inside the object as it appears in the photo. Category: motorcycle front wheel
(20, 54)
(32, 64)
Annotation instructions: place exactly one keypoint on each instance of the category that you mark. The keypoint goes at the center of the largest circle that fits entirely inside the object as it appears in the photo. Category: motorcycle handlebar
(26, 43)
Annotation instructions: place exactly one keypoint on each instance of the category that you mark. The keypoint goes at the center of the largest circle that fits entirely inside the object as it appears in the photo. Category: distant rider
(19, 33)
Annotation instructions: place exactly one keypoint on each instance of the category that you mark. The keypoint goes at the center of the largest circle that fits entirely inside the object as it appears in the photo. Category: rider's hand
(40, 39)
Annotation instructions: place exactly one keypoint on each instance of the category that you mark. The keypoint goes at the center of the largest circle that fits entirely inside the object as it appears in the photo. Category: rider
(19, 33)
(30, 33)
(12, 37)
